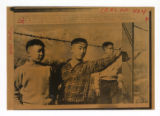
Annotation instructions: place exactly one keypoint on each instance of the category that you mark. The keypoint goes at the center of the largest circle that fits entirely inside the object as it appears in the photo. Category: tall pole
(132, 62)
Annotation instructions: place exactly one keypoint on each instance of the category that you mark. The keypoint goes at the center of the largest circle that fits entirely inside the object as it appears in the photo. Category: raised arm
(99, 65)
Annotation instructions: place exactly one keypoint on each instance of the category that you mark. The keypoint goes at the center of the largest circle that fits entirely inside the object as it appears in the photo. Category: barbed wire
(49, 38)
(140, 28)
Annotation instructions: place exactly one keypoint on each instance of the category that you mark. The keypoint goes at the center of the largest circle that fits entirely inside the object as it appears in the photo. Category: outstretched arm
(99, 65)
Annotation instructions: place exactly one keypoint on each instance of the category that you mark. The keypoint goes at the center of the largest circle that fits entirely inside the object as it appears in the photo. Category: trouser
(108, 92)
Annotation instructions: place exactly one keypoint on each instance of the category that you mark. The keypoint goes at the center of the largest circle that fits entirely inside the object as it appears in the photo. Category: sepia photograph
(80, 58)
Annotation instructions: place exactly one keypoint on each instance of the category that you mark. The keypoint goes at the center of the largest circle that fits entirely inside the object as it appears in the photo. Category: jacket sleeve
(98, 65)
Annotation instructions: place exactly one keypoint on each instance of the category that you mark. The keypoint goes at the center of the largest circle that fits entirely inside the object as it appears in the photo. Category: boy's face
(79, 50)
(36, 53)
(109, 50)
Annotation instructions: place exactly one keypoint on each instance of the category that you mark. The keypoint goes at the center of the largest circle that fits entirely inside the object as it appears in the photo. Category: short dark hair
(34, 42)
(105, 44)
(78, 40)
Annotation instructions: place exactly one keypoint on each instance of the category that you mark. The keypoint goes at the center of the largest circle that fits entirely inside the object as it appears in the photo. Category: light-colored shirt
(110, 73)
(32, 84)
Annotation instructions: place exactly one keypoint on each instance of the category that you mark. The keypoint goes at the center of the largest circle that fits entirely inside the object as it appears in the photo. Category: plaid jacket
(76, 79)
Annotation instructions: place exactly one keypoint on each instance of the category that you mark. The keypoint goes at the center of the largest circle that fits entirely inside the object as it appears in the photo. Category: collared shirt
(76, 79)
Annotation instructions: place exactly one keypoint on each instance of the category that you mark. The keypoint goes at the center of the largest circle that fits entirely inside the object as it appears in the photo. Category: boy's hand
(120, 85)
(59, 86)
(97, 92)
(120, 81)
(125, 56)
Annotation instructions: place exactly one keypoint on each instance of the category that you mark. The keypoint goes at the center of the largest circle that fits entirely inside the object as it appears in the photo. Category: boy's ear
(28, 51)
(72, 48)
